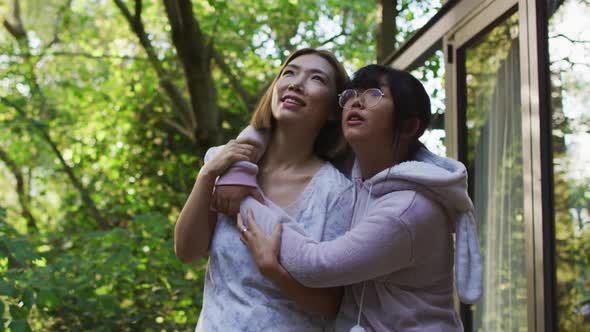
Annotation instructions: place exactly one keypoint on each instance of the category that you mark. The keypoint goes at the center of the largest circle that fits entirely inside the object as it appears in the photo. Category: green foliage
(114, 280)
(570, 129)
(412, 15)
(80, 88)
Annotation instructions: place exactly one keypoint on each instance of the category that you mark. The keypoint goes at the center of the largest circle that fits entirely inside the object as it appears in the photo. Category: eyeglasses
(369, 98)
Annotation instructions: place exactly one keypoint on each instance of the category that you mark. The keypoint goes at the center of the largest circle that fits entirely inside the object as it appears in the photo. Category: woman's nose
(357, 102)
(297, 83)
(294, 87)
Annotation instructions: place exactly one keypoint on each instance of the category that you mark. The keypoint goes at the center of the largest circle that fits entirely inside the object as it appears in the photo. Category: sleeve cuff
(242, 173)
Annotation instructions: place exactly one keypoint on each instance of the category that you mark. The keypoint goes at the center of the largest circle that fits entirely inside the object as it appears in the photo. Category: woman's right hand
(264, 249)
(231, 153)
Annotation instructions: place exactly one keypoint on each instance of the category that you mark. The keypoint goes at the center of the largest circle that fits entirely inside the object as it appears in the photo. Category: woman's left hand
(227, 198)
(264, 249)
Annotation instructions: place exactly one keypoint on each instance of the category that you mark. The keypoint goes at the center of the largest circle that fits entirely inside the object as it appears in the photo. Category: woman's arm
(380, 244)
(321, 301)
(239, 180)
(196, 222)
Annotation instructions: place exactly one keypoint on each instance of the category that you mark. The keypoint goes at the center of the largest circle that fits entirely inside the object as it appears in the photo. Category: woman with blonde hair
(301, 115)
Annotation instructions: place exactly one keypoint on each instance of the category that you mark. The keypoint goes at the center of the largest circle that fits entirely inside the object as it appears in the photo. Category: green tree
(106, 109)
(571, 182)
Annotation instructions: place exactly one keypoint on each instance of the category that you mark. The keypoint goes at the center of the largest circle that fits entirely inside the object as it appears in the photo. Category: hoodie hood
(443, 180)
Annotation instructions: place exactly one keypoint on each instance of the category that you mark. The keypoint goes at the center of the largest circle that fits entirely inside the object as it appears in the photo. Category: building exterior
(516, 111)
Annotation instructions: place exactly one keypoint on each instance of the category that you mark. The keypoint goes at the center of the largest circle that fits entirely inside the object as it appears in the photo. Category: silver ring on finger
(243, 230)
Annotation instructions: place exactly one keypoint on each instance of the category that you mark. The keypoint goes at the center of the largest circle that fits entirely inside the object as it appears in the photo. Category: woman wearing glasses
(300, 109)
(397, 258)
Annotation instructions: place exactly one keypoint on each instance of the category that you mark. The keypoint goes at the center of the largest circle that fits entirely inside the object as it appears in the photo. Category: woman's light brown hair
(329, 143)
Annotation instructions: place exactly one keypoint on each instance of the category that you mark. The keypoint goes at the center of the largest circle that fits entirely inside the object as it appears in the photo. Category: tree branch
(183, 130)
(20, 34)
(570, 62)
(78, 54)
(23, 198)
(177, 21)
(573, 41)
(178, 100)
(85, 195)
(12, 262)
(138, 5)
(17, 29)
(234, 81)
(333, 38)
(195, 57)
(180, 104)
(126, 13)
(58, 19)
(386, 29)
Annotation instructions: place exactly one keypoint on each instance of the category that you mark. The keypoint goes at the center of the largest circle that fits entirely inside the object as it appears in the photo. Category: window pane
(412, 15)
(494, 161)
(569, 52)
(432, 74)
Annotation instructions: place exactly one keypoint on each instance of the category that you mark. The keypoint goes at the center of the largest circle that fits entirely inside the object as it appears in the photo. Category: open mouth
(354, 117)
(293, 100)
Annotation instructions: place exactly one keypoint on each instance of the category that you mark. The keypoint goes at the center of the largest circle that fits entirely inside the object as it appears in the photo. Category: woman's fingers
(249, 230)
(243, 148)
(275, 239)
(243, 230)
(276, 233)
(240, 223)
(236, 151)
(234, 157)
(250, 222)
(233, 207)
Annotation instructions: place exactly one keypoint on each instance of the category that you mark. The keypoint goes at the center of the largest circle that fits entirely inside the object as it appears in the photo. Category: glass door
(492, 151)
(488, 107)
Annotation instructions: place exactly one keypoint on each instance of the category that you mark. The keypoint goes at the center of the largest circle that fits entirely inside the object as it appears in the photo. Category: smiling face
(369, 125)
(305, 92)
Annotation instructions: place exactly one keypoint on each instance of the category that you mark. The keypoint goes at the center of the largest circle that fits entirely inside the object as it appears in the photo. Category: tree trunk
(195, 55)
(23, 198)
(386, 29)
(199, 118)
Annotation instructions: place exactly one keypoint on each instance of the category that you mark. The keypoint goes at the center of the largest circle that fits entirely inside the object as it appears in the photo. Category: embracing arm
(243, 173)
(196, 222)
(321, 301)
(380, 244)
(239, 180)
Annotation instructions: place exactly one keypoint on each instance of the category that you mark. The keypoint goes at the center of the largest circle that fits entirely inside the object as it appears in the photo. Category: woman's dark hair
(410, 99)
(330, 143)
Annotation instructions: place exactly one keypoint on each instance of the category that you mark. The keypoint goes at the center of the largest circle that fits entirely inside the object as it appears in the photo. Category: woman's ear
(410, 128)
